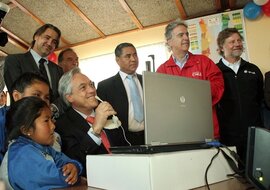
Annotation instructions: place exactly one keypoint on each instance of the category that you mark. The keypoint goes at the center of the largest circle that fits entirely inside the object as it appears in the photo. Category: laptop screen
(176, 109)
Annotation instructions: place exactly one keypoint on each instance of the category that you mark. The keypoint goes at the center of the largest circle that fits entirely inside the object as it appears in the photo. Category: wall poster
(203, 32)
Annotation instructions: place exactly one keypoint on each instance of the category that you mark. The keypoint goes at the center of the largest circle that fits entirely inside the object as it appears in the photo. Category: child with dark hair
(28, 84)
(31, 136)
(33, 84)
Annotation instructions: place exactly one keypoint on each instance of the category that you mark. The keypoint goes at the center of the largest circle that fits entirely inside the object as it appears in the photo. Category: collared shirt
(94, 137)
(181, 63)
(37, 57)
(234, 66)
(133, 125)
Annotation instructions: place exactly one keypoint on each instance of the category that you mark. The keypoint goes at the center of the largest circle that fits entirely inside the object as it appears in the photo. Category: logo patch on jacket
(250, 72)
(197, 74)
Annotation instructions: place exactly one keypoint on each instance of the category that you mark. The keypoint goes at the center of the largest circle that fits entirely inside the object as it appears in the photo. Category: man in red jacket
(184, 63)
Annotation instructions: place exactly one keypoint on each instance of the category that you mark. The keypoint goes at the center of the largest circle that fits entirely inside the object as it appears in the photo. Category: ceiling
(84, 21)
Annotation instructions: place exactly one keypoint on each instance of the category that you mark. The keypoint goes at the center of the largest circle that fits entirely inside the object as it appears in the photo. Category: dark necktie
(42, 68)
(103, 135)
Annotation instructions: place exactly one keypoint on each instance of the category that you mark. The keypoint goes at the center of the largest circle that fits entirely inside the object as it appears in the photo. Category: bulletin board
(203, 32)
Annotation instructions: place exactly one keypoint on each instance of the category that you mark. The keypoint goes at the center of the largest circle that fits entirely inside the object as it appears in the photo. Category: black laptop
(152, 149)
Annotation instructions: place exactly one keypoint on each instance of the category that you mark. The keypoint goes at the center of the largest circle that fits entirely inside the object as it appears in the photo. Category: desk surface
(224, 185)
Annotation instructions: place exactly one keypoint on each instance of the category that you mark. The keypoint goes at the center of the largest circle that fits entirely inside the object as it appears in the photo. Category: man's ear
(16, 95)
(69, 98)
(36, 37)
(117, 59)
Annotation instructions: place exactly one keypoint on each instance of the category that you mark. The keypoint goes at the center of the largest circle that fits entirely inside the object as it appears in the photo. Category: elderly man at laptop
(183, 63)
(82, 126)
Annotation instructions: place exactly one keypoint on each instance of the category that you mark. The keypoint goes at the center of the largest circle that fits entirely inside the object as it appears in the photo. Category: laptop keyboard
(151, 149)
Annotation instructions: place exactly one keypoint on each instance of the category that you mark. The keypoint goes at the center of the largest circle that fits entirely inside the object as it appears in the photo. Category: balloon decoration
(52, 57)
(266, 8)
(252, 11)
(260, 2)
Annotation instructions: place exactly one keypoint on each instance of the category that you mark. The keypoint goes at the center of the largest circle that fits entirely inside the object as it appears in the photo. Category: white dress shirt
(133, 125)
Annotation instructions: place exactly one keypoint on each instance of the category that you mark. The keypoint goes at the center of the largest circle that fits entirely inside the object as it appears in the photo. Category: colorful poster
(203, 32)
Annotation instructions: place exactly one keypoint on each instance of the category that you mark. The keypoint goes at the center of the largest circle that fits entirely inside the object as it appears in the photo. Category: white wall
(104, 66)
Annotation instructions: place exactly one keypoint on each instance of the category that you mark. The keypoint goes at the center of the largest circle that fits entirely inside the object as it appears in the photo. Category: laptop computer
(178, 114)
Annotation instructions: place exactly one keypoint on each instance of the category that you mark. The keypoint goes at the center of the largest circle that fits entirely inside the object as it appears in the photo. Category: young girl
(30, 162)
(33, 84)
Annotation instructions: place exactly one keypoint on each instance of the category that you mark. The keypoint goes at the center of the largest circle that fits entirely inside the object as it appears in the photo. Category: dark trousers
(136, 138)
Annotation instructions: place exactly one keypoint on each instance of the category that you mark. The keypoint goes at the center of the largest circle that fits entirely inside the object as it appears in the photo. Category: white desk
(176, 170)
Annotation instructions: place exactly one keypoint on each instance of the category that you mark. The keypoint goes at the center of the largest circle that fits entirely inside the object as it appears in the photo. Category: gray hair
(169, 28)
(65, 84)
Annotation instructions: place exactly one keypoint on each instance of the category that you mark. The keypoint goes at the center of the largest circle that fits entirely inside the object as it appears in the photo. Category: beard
(237, 53)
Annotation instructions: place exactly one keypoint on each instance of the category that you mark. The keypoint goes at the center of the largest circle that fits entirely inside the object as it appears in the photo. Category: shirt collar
(37, 57)
(124, 75)
(93, 114)
(228, 64)
(183, 60)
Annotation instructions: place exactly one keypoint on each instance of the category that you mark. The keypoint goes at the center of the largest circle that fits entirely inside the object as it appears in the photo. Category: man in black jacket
(239, 108)
(80, 136)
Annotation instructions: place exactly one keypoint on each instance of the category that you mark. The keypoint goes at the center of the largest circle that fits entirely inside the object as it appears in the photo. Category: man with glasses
(45, 41)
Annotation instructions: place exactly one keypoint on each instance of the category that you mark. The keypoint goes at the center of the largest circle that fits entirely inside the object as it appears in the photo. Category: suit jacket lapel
(80, 122)
(140, 79)
(118, 83)
(30, 61)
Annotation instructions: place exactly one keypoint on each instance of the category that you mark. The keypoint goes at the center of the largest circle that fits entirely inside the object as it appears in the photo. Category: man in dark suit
(117, 92)
(45, 41)
(80, 136)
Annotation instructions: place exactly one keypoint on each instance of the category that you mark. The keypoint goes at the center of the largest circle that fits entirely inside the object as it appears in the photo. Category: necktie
(103, 135)
(42, 68)
(135, 99)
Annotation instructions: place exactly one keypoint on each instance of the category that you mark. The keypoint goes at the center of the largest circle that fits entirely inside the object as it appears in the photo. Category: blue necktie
(135, 99)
